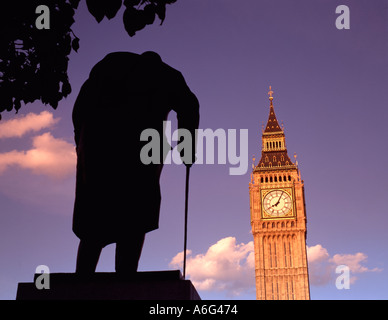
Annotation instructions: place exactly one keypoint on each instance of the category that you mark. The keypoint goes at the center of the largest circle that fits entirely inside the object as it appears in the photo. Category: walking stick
(186, 209)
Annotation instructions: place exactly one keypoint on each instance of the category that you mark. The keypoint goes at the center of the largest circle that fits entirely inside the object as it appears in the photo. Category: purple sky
(330, 89)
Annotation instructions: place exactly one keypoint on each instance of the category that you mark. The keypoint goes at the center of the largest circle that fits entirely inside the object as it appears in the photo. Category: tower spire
(272, 123)
(274, 151)
(270, 93)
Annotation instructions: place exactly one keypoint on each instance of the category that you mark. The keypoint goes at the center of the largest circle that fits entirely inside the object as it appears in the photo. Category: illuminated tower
(278, 219)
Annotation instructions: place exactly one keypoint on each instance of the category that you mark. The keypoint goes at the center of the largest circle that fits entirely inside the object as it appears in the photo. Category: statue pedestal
(158, 285)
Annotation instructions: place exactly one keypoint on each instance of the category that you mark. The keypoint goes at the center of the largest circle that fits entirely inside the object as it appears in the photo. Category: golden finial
(296, 161)
(270, 93)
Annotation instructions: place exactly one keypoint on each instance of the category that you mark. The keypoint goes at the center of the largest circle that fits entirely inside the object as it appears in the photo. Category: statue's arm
(186, 105)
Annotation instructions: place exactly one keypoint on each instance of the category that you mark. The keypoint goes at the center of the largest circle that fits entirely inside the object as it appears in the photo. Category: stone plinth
(159, 285)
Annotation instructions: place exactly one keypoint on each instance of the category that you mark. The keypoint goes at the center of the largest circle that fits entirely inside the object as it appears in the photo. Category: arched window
(276, 179)
(280, 144)
(280, 178)
(289, 178)
(270, 179)
(261, 180)
(266, 179)
(274, 159)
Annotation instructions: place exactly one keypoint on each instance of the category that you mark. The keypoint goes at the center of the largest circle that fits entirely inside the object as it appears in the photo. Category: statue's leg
(128, 253)
(87, 257)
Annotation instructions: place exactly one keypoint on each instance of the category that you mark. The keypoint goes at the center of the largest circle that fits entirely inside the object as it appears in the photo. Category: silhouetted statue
(117, 196)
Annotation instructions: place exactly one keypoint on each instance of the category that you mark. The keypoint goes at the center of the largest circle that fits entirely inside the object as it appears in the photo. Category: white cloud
(49, 156)
(317, 253)
(29, 123)
(229, 266)
(322, 266)
(225, 266)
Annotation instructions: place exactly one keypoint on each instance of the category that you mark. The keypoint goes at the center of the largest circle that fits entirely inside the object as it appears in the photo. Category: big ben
(278, 219)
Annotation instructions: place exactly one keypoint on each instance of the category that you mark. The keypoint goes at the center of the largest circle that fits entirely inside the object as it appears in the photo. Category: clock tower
(278, 219)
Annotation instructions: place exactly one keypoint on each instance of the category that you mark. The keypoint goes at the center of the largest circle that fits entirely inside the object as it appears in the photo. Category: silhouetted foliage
(33, 62)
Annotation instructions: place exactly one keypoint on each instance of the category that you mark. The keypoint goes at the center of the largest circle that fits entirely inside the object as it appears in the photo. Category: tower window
(261, 179)
(280, 144)
(289, 178)
(276, 179)
(285, 259)
(274, 158)
(280, 178)
(270, 179)
(275, 255)
(266, 179)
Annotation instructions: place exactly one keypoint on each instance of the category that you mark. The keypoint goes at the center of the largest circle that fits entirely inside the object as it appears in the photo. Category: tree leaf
(66, 88)
(149, 13)
(134, 20)
(131, 3)
(75, 44)
(96, 8)
(17, 105)
(113, 7)
(161, 11)
(74, 3)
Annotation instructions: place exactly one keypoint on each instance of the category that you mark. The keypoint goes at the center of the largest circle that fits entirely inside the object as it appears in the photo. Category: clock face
(277, 203)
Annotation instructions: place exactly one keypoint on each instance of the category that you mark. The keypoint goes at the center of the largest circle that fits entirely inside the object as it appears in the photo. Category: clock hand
(276, 204)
